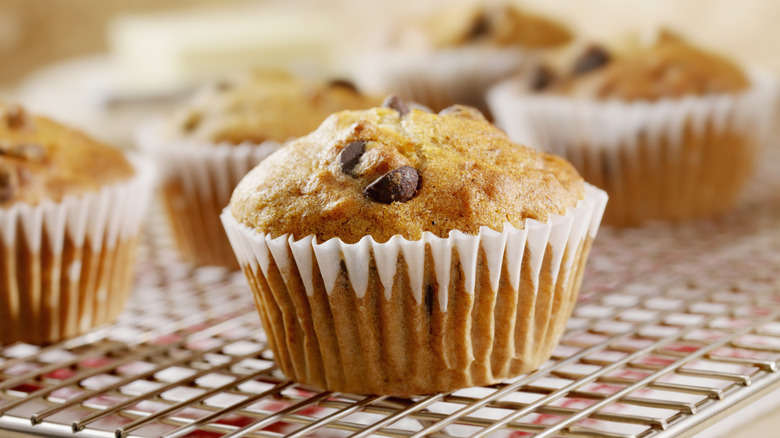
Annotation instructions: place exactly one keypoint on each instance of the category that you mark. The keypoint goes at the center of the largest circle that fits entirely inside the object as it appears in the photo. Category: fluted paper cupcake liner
(672, 159)
(418, 316)
(197, 180)
(67, 266)
(440, 78)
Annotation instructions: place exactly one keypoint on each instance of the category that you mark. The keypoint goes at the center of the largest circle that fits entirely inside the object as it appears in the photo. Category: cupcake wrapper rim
(561, 232)
(534, 119)
(113, 213)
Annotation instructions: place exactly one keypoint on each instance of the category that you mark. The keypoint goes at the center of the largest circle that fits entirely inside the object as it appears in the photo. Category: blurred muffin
(70, 212)
(669, 130)
(491, 25)
(261, 106)
(418, 252)
(454, 55)
(670, 68)
(207, 146)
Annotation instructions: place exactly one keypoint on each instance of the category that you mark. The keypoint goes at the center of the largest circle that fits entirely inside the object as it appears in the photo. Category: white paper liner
(204, 175)
(34, 271)
(608, 135)
(560, 232)
(440, 78)
(557, 122)
(321, 302)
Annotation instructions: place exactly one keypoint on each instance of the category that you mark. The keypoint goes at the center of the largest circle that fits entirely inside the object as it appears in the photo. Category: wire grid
(675, 326)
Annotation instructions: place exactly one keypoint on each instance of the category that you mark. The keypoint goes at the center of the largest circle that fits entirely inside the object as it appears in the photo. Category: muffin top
(41, 159)
(669, 68)
(261, 106)
(486, 25)
(391, 170)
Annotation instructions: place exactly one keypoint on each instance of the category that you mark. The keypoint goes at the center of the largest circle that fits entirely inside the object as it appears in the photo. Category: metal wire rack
(677, 327)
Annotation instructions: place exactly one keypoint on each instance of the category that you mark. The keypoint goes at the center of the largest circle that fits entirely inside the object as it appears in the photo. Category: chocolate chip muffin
(498, 25)
(454, 55)
(259, 106)
(208, 145)
(670, 68)
(402, 240)
(41, 160)
(669, 130)
(70, 209)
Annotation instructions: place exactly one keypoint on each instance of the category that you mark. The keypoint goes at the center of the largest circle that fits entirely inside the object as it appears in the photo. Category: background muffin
(494, 25)
(670, 131)
(70, 211)
(208, 145)
(263, 105)
(454, 55)
(400, 252)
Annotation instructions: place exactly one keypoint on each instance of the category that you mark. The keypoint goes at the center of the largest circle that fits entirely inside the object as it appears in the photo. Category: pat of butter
(156, 52)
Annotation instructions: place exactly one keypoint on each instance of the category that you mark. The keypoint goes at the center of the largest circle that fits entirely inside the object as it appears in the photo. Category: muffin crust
(493, 25)
(469, 174)
(670, 68)
(262, 106)
(41, 159)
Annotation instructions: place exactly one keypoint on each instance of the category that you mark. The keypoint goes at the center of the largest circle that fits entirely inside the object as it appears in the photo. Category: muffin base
(374, 318)
(197, 180)
(371, 344)
(54, 297)
(702, 176)
(193, 219)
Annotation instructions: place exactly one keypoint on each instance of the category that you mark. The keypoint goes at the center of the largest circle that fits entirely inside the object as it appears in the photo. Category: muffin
(396, 251)
(70, 214)
(454, 55)
(669, 130)
(207, 146)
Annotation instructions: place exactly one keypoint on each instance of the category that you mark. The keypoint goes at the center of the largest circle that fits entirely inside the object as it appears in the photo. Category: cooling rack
(676, 328)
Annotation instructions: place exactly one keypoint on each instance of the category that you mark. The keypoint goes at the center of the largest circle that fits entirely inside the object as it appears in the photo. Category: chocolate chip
(543, 78)
(344, 83)
(191, 121)
(15, 117)
(8, 182)
(398, 185)
(593, 58)
(397, 104)
(480, 27)
(350, 156)
(223, 86)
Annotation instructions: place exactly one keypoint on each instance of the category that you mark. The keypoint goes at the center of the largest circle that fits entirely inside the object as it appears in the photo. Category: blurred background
(103, 65)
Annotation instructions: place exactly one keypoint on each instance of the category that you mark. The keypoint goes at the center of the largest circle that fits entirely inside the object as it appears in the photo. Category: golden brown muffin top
(41, 159)
(262, 106)
(493, 25)
(670, 68)
(391, 170)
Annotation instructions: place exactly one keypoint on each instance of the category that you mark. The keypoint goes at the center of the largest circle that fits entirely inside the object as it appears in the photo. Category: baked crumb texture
(259, 106)
(669, 68)
(414, 172)
(43, 160)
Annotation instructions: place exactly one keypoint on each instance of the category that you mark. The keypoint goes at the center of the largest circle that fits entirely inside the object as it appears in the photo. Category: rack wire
(677, 327)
